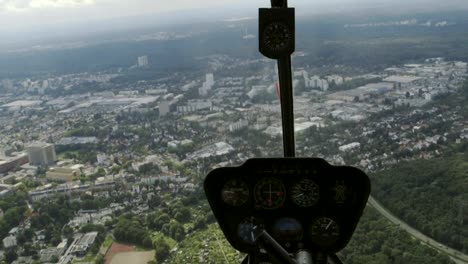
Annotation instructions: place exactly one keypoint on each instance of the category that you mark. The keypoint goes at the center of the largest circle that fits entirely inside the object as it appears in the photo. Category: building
(84, 244)
(402, 81)
(349, 147)
(65, 141)
(317, 82)
(238, 125)
(164, 108)
(10, 163)
(9, 241)
(47, 255)
(195, 105)
(209, 79)
(41, 154)
(62, 174)
(207, 85)
(142, 61)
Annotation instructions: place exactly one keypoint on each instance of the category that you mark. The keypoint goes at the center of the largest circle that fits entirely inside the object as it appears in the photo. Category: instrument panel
(304, 203)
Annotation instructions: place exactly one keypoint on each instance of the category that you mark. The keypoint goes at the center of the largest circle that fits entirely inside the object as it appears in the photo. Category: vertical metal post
(287, 108)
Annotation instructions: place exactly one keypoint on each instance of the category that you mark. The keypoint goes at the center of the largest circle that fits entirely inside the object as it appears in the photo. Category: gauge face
(270, 193)
(277, 36)
(305, 193)
(235, 192)
(245, 231)
(287, 229)
(325, 231)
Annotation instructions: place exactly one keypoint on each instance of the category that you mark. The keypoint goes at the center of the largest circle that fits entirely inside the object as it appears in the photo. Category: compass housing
(276, 32)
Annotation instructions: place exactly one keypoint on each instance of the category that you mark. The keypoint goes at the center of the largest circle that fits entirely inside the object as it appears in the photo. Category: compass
(277, 36)
(276, 32)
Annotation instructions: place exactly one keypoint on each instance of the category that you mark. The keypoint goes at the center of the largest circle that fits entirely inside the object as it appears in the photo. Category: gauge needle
(329, 224)
(270, 194)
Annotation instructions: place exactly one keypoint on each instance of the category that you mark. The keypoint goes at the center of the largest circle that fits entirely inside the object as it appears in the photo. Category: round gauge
(277, 36)
(325, 231)
(245, 233)
(305, 193)
(270, 193)
(235, 192)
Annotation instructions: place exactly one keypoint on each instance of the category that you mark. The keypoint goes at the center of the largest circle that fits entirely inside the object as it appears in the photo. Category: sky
(24, 15)
(29, 17)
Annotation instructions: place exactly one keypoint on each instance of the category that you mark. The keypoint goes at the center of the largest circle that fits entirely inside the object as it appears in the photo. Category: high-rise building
(41, 154)
(164, 108)
(143, 61)
(207, 85)
(210, 79)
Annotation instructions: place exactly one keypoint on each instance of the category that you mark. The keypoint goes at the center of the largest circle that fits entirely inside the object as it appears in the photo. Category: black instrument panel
(304, 203)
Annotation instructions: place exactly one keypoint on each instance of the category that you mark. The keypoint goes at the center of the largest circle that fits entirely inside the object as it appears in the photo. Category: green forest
(430, 195)
(378, 241)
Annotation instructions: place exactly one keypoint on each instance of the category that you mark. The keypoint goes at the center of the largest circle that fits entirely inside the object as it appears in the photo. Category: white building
(349, 147)
(143, 61)
(335, 78)
(316, 82)
(207, 85)
(41, 153)
(9, 241)
(195, 105)
(238, 125)
(210, 79)
(102, 159)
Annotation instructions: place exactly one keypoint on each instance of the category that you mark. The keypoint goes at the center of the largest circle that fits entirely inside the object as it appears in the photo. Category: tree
(162, 250)
(183, 215)
(99, 259)
(10, 255)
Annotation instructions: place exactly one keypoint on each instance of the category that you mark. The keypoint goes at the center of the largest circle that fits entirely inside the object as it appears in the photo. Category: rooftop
(22, 103)
(402, 78)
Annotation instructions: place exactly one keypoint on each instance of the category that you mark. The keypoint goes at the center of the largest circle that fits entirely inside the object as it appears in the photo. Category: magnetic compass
(277, 36)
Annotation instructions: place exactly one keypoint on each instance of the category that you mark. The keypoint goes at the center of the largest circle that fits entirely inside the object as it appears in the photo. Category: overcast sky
(28, 16)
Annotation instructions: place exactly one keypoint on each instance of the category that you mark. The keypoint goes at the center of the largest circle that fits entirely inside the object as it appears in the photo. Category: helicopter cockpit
(286, 210)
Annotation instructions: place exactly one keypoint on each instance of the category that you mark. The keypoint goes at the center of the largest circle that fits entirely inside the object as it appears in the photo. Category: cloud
(23, 5)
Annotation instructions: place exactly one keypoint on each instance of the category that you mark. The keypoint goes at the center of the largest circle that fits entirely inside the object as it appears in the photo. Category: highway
(455, 255)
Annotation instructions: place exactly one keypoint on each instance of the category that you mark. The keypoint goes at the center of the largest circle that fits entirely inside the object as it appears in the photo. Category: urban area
(91, 159)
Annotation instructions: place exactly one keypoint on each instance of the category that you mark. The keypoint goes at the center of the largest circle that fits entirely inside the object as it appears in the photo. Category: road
(455, 255)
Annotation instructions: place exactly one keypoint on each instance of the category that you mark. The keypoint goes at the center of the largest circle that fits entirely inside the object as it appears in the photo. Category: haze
(41, 19)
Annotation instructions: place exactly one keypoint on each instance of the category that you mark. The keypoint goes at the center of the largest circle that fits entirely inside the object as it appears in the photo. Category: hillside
(430, 195)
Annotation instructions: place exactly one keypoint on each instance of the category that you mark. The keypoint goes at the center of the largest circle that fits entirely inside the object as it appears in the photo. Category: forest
(429, 195)
(378, 241)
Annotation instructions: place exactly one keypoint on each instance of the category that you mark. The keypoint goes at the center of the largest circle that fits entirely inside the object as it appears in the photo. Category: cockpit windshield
(113, 113)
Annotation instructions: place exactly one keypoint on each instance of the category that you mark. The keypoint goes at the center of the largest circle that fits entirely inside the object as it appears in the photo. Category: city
(105, 163)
